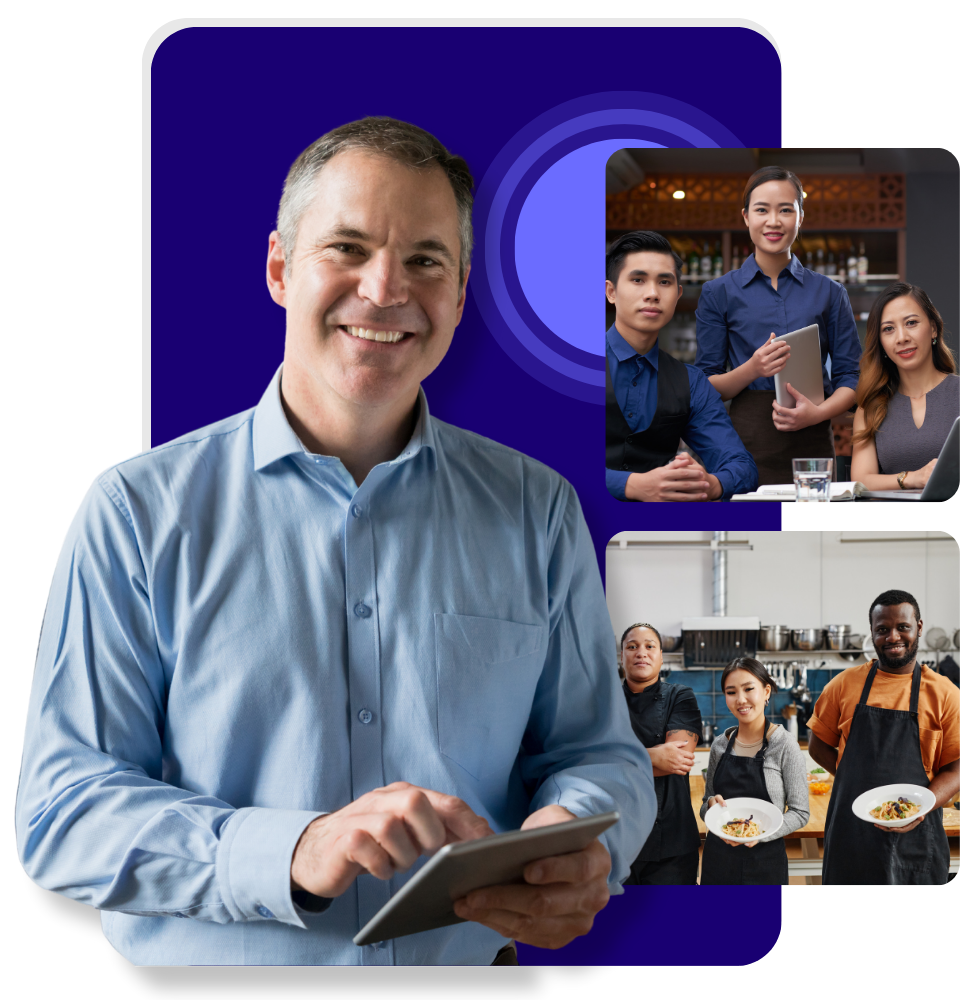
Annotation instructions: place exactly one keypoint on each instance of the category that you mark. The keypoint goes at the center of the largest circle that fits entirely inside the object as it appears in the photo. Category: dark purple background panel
(650, 925)
(232, 108)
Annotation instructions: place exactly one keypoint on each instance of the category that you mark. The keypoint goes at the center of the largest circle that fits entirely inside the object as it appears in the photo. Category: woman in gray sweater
(758, 760)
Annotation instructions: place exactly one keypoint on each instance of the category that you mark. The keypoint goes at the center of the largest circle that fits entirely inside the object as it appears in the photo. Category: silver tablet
(425, 901)
(804, 368)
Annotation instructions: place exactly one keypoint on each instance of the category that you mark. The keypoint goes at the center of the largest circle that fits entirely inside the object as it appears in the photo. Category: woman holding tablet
(666, 718)
(756, 760)
(908, 395)
(772, 294)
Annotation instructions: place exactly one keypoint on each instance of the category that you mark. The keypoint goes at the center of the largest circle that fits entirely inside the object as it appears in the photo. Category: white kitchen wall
(802, 579)
(657, 587)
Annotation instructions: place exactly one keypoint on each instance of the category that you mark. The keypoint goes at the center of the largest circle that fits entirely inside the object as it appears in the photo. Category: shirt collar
(623, 350)
(273, 437)
(750, 269)
(652, 690)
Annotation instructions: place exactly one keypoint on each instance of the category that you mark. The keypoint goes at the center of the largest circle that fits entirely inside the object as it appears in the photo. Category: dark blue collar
(749, 270)
(624, 351)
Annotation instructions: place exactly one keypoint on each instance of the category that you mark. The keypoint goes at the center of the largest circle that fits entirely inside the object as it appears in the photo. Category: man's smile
(380, 336)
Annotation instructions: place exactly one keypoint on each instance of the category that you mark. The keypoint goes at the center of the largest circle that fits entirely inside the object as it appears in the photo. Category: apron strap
(915, 686)
(868, 684)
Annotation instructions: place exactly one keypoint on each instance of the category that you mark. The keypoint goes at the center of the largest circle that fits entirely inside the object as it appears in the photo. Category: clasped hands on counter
(385, 831)
(683, 479)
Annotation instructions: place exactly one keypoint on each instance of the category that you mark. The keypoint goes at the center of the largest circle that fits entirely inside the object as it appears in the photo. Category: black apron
(675, 832)
(627, 450)
(772, 449)
(764, 864)
(884, 748)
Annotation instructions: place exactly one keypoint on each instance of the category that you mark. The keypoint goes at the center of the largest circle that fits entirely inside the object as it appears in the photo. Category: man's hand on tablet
(382, 832)
(559, 901)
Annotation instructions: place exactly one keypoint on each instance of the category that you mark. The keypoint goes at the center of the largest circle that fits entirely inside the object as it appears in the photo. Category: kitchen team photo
(785, 751)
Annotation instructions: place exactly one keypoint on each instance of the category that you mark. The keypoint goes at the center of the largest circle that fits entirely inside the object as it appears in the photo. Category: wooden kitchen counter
(818, 804)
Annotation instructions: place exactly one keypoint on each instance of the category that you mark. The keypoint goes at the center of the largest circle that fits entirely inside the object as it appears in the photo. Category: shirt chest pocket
(487, 672)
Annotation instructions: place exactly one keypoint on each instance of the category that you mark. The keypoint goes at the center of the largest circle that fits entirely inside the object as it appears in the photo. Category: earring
(934, 340)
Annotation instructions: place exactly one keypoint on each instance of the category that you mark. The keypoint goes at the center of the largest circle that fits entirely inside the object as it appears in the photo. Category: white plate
(918, 794)
(765, 815)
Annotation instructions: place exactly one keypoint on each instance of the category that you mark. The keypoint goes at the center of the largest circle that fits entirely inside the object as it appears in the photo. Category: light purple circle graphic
(535, 206)
(558, 247)
(493, 243)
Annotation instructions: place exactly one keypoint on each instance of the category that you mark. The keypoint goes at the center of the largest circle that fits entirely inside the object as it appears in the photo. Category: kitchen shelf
(828, 655)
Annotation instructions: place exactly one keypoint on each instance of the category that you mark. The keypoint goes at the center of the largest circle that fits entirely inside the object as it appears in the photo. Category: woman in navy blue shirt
(771, 294)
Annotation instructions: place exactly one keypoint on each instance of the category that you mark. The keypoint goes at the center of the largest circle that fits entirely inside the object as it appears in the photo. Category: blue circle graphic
(558, 245)
(536, 169)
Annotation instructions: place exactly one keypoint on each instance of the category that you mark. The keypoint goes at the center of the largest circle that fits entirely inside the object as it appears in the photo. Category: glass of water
(812, 477)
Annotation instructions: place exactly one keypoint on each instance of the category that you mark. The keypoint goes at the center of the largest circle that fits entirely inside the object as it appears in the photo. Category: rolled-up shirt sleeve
(685, 714)
(844, 344)
(97, 818)
(579, 750)
(712, 333)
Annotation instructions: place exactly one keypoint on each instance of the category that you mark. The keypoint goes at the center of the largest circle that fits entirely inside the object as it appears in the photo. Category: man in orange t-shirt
(898, 722)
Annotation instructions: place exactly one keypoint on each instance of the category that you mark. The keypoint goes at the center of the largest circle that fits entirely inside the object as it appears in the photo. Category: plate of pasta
(894, 805)
(743, 820)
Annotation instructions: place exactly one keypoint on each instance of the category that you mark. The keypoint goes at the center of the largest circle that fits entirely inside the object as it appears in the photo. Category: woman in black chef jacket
(769, 295)
(666, 718)
(758, 760)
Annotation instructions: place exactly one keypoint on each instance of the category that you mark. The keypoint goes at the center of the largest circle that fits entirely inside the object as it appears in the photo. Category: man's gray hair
(405, 143)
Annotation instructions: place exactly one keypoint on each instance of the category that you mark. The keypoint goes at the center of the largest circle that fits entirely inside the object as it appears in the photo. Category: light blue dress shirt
(239, 639)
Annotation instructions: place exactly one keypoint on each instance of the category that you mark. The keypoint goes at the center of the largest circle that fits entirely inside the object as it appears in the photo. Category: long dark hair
(879, 376)
(754, 667)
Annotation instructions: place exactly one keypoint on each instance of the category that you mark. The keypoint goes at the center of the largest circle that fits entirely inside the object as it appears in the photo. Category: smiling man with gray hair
(289, 654)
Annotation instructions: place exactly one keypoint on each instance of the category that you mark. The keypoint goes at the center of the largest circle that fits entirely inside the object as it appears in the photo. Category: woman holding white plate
(758, 760)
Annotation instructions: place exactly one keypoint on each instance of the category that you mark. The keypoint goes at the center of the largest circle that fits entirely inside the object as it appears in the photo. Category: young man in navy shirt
(652, 401)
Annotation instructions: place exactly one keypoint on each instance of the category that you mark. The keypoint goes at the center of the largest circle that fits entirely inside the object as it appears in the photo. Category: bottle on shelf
(820, 264)
(735, 258)
(706, 262)
(684, 266)
(809, 263)
(831, 264)
(851, 266)
(863, 266)
(693, 264)
(718, 269)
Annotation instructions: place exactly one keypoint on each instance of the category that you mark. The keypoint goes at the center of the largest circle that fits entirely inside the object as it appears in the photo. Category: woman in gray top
(908, 394)
(756, 760)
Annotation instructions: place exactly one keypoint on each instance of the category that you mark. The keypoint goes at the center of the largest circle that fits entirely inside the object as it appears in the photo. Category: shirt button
(625, 468)
(364, 716)
(362, 611)
(264, 911)
(635, 383)
(356, 510)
